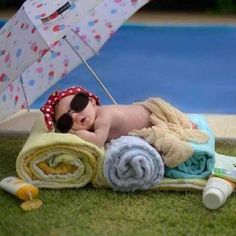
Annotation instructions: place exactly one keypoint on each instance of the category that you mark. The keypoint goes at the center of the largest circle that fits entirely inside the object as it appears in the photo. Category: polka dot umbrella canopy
(40, 44)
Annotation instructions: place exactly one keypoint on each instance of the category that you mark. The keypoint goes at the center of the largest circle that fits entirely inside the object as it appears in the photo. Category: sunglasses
(77, 104)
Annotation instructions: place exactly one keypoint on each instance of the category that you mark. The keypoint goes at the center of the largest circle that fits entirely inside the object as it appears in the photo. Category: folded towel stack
(131, 164)
(54, 160)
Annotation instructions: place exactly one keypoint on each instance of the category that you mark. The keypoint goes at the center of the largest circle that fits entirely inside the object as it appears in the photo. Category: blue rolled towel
(131, 164)
(201, 163)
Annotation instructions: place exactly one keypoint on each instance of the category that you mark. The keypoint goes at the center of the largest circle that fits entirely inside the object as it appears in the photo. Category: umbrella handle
(91, 71)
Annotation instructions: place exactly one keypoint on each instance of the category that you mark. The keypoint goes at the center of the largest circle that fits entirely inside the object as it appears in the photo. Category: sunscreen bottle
(216, 192)
(19, 188)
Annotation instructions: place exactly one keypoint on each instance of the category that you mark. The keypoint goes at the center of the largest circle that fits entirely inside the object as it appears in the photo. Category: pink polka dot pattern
(36, 53)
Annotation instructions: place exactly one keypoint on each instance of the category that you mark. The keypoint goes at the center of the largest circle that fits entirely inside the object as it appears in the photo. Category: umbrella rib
(23, 88)
(91, 70)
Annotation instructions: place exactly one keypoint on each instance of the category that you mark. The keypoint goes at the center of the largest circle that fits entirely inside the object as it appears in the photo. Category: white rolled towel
(132, 164)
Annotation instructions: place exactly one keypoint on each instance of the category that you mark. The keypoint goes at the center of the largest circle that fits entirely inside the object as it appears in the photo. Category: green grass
(90, 211)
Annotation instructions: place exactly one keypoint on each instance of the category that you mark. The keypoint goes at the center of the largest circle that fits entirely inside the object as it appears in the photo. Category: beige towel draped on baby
(170, 133)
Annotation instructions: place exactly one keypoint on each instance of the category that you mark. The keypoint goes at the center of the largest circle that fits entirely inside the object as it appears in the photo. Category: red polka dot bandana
(48, 108)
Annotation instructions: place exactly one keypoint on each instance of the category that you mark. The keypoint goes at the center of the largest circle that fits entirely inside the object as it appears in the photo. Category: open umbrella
(45, 40)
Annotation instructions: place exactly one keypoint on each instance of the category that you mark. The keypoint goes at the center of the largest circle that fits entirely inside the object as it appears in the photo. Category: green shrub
(226, 6)
(220, 6)
(11, 3)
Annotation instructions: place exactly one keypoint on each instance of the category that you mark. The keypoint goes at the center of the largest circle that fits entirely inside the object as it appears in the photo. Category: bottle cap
(213, 198)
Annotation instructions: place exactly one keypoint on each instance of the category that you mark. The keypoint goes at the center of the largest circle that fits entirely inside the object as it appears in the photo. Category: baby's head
(74, 108)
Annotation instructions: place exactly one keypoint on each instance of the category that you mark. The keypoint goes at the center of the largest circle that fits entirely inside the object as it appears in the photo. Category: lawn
(91, 211)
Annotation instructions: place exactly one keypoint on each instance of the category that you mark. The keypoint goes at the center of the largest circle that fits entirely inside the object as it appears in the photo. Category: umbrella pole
(23, 88)
(92, 71)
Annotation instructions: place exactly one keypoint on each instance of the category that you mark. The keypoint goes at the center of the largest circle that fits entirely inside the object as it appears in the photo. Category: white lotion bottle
(216, 192)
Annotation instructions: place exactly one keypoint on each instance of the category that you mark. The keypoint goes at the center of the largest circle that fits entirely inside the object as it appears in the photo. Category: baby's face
(83, 120)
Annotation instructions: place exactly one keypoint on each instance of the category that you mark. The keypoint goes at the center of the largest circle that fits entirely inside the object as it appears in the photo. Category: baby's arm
(100, 133)
(98, 137)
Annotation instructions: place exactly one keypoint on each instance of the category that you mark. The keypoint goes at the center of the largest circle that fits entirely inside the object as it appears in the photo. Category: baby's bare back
(125, 118)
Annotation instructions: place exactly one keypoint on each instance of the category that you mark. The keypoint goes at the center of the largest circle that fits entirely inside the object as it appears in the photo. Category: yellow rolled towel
(55, 160)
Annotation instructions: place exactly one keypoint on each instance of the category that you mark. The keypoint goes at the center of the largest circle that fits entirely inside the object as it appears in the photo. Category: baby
(78, 111)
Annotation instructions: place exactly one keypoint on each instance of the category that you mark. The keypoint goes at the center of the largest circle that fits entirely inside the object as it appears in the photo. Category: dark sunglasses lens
(64, 123)
(79, 102)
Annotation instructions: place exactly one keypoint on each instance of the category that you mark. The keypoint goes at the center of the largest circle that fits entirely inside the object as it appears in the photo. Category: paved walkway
(181, 18)
(224, 126)
(6, 13)
(162, 17)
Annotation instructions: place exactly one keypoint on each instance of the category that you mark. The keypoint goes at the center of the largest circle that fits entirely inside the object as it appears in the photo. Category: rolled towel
(132, 164)
(55, 160)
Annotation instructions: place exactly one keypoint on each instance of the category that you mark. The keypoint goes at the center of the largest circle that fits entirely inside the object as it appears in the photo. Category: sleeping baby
(78, 111)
